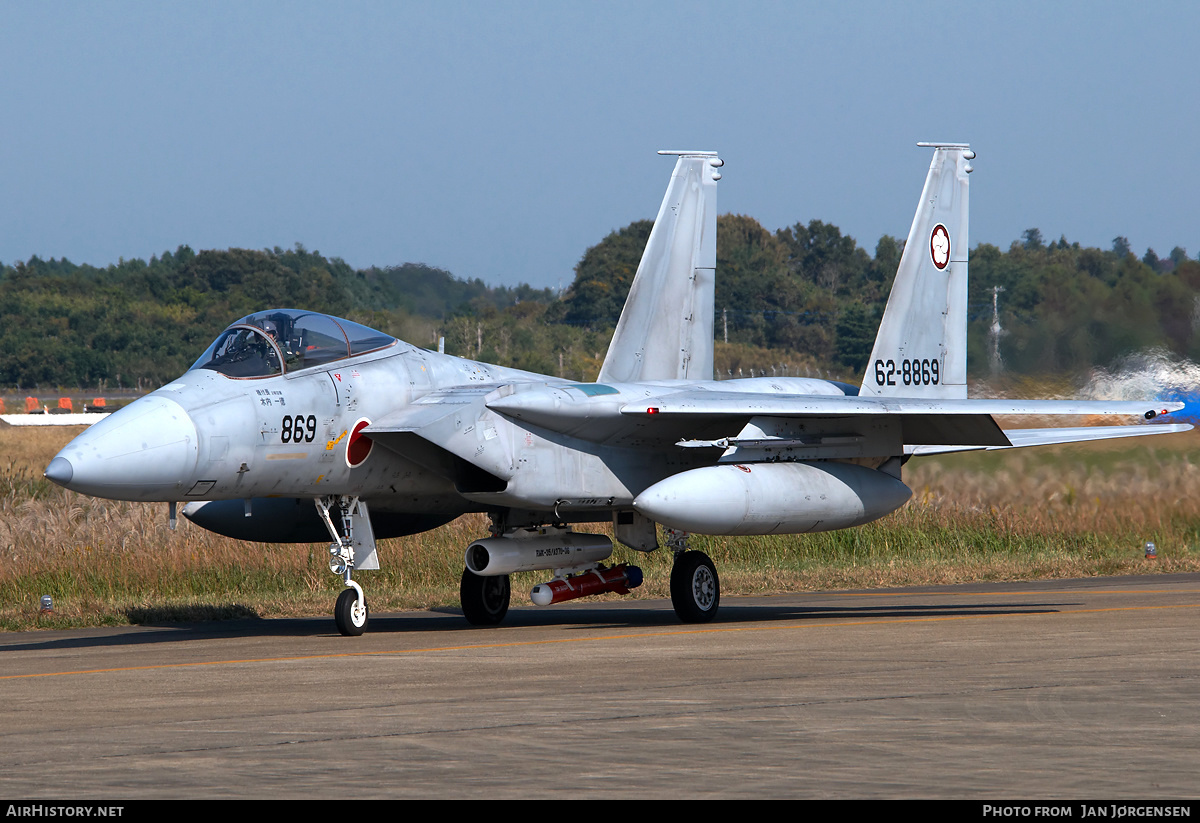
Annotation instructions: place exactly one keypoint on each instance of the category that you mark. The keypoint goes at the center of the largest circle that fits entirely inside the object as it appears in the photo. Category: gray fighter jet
(298, 427)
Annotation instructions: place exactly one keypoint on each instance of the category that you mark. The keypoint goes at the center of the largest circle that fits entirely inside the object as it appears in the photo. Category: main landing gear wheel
(695, 587)
(484, 598)
(350, 619)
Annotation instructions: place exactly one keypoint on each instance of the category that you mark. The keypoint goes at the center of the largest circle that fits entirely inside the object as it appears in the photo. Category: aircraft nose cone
(60, 471)
(145, 451)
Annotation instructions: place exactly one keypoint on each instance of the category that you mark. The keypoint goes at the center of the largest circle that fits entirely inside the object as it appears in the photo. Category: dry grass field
(1051, 512)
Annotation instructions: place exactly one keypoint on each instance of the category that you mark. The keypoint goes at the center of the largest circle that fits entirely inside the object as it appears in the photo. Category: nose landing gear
(353, 547)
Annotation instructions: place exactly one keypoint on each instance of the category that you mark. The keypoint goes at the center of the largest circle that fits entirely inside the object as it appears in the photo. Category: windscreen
(273, 342)
(242, 351)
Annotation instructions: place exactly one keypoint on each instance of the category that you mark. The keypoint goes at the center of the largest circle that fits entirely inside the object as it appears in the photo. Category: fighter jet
(295, 426)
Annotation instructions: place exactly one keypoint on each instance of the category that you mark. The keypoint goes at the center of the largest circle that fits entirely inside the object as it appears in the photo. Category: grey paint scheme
(926, 313)
(666, 329)
(452, 435)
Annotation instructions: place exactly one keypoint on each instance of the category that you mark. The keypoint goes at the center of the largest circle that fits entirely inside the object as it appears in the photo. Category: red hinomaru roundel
(358, 445)
(939, 246)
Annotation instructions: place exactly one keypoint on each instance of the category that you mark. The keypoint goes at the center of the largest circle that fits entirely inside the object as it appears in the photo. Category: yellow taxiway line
(631, 636)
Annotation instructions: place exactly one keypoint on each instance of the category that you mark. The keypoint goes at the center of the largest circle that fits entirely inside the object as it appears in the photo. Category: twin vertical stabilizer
(666, 328)
(921, 348)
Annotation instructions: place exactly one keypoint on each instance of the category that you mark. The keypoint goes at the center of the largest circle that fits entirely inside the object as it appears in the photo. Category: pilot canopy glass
(279, 341)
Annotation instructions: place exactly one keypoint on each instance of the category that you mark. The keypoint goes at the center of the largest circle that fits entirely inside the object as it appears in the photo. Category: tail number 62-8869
(909, 373)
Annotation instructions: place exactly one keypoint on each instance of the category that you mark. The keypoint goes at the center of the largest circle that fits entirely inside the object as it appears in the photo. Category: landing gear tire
(695, 587)
(484, 598)
(351, 620)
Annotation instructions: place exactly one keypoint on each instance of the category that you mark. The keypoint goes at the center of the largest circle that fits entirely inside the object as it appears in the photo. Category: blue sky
(500, 140)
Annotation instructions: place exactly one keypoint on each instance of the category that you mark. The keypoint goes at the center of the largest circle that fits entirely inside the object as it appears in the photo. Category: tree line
(806, 299)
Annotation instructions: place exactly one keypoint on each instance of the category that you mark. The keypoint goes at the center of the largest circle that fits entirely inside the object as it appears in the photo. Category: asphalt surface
(1080, 689)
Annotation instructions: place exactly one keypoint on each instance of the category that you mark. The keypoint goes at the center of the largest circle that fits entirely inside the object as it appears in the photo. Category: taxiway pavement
(1054, 689)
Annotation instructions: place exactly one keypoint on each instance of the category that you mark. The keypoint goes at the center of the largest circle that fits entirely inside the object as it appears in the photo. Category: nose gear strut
(353, 547)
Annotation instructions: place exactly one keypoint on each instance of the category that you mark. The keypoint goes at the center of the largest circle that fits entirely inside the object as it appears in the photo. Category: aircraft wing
(700, 416)
(925, 422)
(732, 403)
(1019, 438)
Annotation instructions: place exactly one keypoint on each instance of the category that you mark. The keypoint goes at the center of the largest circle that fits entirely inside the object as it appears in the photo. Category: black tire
(484, 598)
(695, 587)
(345, 613)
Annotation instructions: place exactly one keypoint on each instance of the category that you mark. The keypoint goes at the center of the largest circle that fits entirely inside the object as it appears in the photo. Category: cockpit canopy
(278, 341)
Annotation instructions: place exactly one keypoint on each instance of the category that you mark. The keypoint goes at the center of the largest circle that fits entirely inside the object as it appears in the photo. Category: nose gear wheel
(348, 614)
